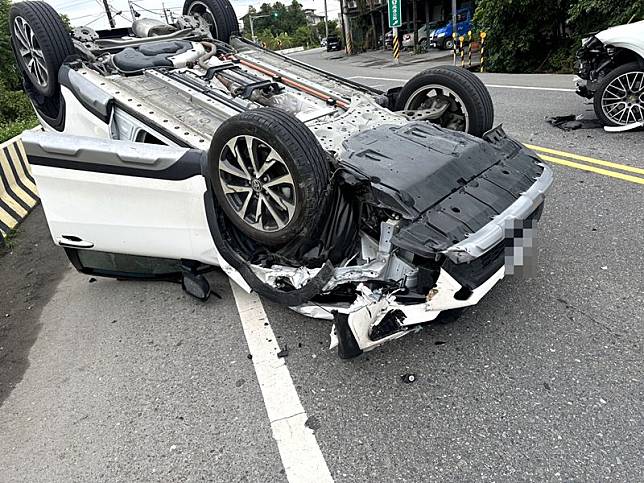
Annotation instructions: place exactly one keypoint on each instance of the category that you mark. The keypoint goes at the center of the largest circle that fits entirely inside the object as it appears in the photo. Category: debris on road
(313, 423)
(283, 352)
(572, 122)
(408, 378)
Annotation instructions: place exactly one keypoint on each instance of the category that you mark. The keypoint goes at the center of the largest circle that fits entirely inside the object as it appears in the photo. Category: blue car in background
(442, 37)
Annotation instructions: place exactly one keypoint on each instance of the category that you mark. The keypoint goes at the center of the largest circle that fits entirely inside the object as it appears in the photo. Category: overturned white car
(171, 149)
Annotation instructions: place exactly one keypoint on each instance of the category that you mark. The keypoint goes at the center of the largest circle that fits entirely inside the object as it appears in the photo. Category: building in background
(311, 17)
(369, 22)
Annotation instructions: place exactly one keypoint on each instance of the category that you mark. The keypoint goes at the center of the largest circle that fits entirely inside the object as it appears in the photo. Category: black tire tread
(474, 92)
(50, 31)
(476, 83)
(221, 9)
(305, 150)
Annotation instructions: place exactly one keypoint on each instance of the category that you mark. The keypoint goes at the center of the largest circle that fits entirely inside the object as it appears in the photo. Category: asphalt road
(542, 380)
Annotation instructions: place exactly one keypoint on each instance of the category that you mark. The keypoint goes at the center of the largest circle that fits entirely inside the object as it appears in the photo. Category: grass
(9, 240)
(12, 129)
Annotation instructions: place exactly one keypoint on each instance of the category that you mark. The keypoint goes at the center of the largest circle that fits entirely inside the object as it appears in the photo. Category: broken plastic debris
(283, 352)
(408, 378)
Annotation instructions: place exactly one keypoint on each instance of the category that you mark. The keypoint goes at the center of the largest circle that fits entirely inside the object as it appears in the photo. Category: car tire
(461, 85)
(422, 44)
(448, 44)
(614, 80)
(276, 205)
(41, 44)
(219, 14)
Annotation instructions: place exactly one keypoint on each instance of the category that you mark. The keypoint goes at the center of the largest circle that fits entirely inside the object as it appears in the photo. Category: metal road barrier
(18, 193)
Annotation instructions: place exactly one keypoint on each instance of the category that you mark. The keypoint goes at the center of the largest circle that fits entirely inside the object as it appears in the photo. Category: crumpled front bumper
(372, 310)
(493, 233)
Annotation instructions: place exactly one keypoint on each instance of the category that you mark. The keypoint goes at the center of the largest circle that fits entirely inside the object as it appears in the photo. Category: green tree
(520, 33)
(8, 72)
(278, 18)
(593, 15)
(529, 35)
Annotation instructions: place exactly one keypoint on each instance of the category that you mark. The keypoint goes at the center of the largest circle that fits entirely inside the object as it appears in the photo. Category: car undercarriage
(171, 149)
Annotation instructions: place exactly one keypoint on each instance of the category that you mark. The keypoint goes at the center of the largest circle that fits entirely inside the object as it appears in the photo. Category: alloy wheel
(257, 183)
(30, 52)
(623, 99)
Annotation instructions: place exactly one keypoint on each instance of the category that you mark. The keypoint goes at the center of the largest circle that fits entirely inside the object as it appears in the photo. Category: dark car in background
(333, 42)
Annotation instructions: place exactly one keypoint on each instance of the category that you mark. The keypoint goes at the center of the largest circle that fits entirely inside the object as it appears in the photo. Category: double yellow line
(617, 170)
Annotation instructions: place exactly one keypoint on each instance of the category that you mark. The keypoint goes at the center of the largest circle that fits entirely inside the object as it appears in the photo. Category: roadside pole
(108, 12)
(454, 35)
(395, 21)
(165, 12)
(326, 21)
(252, 29)
(396, 47)
(482, 54)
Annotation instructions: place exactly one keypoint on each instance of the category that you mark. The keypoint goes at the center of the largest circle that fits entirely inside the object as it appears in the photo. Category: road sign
(395, 17)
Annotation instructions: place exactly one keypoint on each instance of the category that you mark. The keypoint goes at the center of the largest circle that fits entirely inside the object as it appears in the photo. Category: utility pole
(252, 29)
(133, 12)
(454, 17)
(326, 20)
(110, 19)
(165, 12)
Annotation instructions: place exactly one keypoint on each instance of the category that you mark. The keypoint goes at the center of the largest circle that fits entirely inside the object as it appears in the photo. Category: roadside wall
(18, 193)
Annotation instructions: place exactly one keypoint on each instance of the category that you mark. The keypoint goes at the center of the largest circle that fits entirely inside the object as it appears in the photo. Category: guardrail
(18, 192)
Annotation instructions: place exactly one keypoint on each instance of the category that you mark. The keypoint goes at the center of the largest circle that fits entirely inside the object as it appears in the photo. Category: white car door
(122, 197)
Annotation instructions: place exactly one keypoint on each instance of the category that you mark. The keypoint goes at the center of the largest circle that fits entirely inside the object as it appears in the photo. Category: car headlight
(441, 34)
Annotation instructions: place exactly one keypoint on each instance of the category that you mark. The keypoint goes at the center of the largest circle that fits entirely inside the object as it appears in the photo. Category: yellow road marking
(587, 159)
(593, 169)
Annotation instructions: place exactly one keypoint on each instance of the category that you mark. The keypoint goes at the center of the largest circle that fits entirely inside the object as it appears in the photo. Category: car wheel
(450, 96)
(422, 43)
(619, 99)
(270, 175)
(219, 14)
(448, 44)
(41, 44)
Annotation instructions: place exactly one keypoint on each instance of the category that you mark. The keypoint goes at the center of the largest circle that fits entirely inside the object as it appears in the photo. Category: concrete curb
(18, 192)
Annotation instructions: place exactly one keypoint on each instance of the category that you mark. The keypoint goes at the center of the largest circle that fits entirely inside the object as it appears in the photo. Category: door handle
(74, 242)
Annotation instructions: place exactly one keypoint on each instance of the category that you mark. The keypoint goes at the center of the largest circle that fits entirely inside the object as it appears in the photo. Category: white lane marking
(298, 447)
(530, 88)
(377, 78)
(500, 86)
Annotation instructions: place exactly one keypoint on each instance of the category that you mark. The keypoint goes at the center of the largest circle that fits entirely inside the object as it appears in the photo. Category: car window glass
(127, 264)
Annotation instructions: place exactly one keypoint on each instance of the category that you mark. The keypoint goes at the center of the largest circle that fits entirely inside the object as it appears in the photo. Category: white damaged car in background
(610, 70)
(170, 150)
